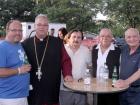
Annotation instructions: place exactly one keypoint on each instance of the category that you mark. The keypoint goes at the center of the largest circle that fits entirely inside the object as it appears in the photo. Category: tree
(16, 9)
(75, 13)
(126, 12)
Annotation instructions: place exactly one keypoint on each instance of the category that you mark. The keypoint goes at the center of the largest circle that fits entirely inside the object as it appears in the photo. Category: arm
(133, 78)
(66, 65)
(129, 81)
(5, 72)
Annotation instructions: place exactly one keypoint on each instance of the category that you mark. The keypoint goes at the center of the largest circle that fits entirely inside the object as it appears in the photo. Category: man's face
(75, 39)
(41, 27)
(14, 32)
(52, 32)
(132, 38)
(105, 38)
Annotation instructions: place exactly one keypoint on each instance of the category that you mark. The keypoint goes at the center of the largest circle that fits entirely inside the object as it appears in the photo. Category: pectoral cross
(39, 73)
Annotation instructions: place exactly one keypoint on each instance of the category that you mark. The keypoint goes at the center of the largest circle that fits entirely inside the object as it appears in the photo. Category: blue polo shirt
(129, 64)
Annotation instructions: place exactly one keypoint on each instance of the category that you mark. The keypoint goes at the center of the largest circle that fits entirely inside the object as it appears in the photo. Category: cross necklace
(39, 66)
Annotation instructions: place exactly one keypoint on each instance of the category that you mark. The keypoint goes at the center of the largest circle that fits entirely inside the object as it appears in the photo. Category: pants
(108, 99)
(130, 97)
(14, 101)
(52, 104)
(72, 98)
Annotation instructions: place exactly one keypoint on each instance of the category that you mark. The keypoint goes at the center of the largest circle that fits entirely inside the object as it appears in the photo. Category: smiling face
(132, 37)
(60, 35)
(41, 26)
(14, 31)
(105, 37)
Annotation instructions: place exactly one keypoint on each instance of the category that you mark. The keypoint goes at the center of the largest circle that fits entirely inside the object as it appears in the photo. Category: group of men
(49, 58)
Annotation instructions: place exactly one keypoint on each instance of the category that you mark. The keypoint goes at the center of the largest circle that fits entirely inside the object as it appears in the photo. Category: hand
(68, 78)
(121, 84)
(25, 68)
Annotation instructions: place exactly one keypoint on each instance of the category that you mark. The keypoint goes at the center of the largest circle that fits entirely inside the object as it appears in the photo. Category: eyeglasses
(44, 25)
(15, 30)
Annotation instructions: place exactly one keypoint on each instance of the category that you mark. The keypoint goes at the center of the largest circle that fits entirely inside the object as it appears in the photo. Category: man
(14, 76)
(130, 69)
(76, 51)
(47, 56)
(106, 53)
(52, 31)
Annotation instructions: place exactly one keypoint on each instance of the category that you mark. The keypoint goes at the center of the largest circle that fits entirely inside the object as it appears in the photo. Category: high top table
(95, 87)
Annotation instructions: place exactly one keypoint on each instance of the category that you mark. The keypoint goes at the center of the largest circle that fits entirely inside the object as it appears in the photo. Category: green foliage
(75, 13)
(2, 33)
(126, 12)
(15, 9)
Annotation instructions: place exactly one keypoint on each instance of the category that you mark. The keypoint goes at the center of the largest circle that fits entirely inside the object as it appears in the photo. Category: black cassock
(47, 89)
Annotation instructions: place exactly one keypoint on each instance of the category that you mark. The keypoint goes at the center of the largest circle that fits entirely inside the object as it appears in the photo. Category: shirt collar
(128, 49)
(111, 47)
(40, 40)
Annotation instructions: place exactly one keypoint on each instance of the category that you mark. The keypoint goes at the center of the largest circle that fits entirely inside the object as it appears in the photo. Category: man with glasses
(14, 76)
(47, 56)
(106, 53)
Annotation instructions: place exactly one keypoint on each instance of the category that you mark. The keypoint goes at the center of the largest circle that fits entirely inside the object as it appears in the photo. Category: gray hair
(132, 29)
(106, 29)
(41, 16)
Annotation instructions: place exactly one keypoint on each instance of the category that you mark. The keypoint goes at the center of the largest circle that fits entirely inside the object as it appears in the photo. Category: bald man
(106, 53)
(130, 69)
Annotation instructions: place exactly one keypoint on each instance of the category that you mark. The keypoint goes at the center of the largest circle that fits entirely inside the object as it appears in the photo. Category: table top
(94, 87)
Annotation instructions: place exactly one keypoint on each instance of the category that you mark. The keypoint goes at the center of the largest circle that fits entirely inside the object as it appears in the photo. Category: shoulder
(95, 46)
(66, 45)
(3, 44)
(4, 47)
(117, 48)
(124, 48)
(84, 48)
(27, 42)
(55, 39)
(94, 49)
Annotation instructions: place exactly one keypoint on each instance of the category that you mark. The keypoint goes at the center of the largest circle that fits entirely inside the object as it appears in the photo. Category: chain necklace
(39, 73)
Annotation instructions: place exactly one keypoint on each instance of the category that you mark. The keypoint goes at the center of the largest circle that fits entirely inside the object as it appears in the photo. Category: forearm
(5, 72)
(133, 78)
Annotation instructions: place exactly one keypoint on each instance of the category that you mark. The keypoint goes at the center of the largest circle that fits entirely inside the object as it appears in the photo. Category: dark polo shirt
(129, 64)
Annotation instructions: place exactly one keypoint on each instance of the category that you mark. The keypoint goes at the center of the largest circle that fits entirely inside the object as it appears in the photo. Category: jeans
(130, 96)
